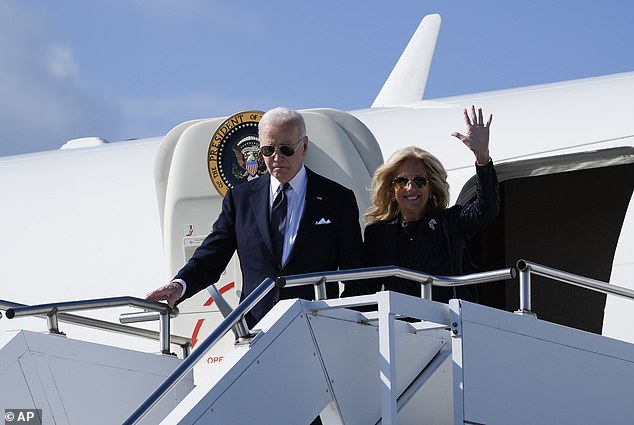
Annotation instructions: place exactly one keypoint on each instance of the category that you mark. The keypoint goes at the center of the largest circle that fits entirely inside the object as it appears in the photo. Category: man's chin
(280, 174)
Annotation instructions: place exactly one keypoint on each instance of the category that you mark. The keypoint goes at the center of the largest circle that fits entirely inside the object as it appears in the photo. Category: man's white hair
(282, 116)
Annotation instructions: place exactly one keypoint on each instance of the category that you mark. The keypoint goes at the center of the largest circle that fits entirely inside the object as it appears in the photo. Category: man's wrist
(183, 285)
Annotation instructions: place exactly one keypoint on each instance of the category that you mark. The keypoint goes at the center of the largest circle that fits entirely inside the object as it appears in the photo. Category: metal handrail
(527, 267)
(319, 279)
(225, 326)
(53, 313)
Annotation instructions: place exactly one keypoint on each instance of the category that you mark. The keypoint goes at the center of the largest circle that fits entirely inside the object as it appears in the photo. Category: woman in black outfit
(409, 224)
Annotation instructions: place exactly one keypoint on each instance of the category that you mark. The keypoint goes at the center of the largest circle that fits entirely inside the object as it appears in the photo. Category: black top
(433, 245)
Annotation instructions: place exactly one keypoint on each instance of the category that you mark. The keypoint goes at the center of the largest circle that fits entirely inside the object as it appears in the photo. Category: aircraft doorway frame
(563, 211)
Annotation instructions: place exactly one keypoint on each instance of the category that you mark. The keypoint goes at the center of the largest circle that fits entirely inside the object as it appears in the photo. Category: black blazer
(438, 246)
(243, 225)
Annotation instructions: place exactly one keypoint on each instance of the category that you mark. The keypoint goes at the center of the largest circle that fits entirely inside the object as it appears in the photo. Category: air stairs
(480, 366)
(77, 382)
(70, 381)
(385, 358)
(413, 361)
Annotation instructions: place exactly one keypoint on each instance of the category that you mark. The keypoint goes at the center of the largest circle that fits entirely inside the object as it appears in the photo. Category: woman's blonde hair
(384, 206)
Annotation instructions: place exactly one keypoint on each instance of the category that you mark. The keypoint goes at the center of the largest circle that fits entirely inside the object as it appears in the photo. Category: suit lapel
(260, 206)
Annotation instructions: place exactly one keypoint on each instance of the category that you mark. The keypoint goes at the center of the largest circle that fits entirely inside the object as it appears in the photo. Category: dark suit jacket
(243, 225)
(438, 247)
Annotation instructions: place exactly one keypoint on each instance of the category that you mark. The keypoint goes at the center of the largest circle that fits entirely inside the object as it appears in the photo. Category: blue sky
(136, 68)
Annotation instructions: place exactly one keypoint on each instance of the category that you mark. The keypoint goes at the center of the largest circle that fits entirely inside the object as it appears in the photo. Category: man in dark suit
(288, 221)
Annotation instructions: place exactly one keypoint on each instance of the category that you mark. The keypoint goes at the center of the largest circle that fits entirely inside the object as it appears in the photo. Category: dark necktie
(278, 221)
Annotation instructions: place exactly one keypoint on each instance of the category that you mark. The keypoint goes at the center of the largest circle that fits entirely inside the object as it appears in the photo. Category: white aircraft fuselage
(84, 223)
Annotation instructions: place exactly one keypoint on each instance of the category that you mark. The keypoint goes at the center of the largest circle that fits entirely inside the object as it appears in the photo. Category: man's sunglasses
(401, 182)
(286, 150)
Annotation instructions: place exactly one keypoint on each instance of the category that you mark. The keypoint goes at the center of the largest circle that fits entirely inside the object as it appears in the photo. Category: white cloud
(42, 104)
(60, 62)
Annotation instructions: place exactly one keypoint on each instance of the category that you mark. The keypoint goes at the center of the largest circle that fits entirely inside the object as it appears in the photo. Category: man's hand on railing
(170, 293)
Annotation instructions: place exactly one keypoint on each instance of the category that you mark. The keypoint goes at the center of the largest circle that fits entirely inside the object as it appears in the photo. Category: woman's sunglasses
(401, 182)
(286, 150)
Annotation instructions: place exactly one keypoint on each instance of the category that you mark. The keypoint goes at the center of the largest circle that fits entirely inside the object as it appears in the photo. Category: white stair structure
(414, 361)
(484, 366)
(385, 358)
(77, 382)
(311, 358)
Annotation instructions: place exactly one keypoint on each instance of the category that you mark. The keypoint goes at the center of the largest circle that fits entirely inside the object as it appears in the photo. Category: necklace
(413, 225)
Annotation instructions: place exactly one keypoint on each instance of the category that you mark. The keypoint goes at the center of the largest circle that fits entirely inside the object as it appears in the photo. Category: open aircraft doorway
(550, 206)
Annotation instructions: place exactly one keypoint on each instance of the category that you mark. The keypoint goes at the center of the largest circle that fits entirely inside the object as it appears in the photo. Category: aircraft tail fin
(406, 83)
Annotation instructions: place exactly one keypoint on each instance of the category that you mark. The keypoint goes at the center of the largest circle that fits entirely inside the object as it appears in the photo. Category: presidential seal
(234, 151)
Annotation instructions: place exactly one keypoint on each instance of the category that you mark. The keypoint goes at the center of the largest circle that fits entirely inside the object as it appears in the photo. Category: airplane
(99, 219)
